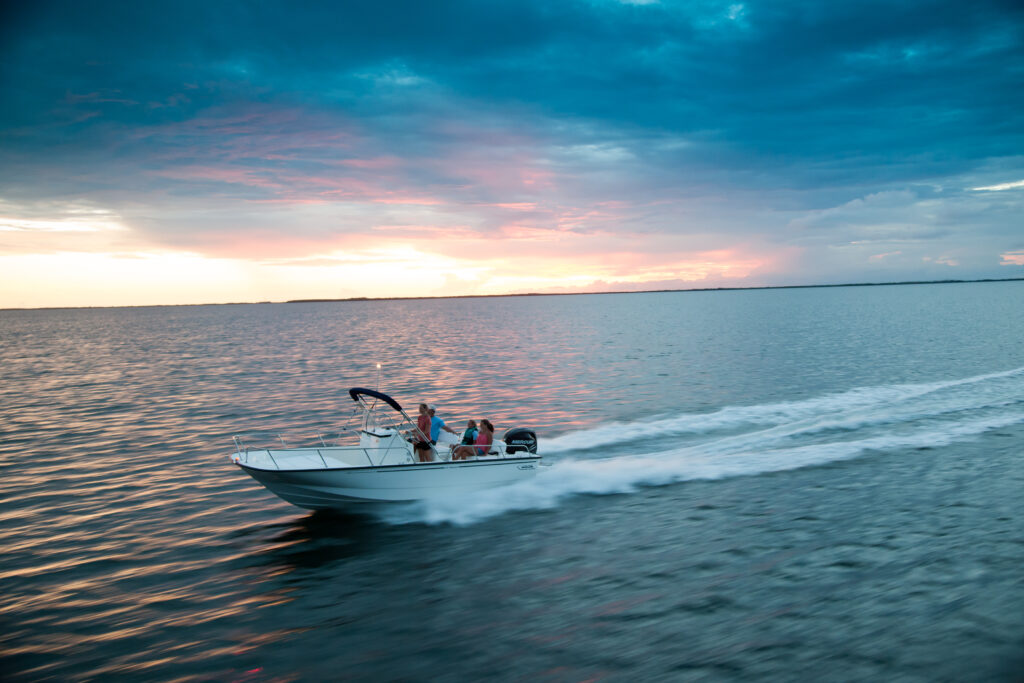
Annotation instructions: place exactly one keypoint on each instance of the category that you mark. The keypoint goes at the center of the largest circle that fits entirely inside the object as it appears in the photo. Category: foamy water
(775, 437)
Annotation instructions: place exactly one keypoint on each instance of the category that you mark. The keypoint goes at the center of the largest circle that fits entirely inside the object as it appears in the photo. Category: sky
(205, 152)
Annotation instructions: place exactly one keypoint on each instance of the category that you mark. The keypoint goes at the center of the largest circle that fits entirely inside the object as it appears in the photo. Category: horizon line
(493, 296)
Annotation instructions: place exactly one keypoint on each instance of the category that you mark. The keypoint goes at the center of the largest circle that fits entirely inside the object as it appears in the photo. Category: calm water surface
(783, 484)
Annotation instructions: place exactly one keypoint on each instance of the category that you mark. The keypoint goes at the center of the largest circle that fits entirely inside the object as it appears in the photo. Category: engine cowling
(520, 440)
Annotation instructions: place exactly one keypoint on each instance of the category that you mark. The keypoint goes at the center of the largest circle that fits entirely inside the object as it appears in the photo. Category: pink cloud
(376, 163)
(221, 174)
(1012, 258)
(525, 232)
(257, 132)
(537, 178)
(396, 199)
(515, 206)
(263, 244)
(275, 154)
(291, 186)
(879, 257)
(429, 233)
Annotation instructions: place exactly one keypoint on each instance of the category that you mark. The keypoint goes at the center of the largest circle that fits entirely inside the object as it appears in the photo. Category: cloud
(839, 146)
(1000, 187)
(1012, 258)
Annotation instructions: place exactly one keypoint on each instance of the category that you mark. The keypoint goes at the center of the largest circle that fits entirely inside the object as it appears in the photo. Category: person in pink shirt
(421, 435)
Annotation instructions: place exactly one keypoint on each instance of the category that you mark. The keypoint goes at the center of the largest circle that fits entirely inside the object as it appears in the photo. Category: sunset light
(207, 163)
(512, 341)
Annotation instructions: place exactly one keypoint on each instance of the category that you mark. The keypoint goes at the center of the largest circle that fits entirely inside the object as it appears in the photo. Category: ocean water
(811, 484)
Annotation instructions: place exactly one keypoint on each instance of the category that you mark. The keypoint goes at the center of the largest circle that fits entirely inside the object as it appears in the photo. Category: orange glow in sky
(501, 148)
(97, 260)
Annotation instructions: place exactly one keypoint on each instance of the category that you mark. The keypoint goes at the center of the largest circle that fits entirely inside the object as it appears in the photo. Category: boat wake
(746, 440)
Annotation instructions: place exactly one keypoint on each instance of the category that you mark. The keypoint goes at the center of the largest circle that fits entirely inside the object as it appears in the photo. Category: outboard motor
(520, 440)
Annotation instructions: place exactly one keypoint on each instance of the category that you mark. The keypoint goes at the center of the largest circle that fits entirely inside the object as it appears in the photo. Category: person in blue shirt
(436, 425)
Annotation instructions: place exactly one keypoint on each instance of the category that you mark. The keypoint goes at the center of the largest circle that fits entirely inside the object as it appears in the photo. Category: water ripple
(130, 547)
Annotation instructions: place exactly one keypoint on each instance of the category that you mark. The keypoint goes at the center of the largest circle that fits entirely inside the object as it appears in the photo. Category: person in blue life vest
(468, 436)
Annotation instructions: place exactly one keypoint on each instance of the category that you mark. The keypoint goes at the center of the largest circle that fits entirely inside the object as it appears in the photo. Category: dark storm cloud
(855, 86)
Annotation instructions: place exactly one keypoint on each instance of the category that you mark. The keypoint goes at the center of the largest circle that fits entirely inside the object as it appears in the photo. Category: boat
(380, 466)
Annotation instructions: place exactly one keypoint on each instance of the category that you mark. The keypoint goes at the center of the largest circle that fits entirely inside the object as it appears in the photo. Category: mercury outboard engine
(520, 440)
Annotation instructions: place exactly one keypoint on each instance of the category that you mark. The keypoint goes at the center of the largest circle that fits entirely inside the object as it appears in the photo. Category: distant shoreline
(496, 296)
(652, 291)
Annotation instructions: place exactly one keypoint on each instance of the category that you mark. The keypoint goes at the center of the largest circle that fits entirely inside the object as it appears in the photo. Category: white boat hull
(317, 489)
